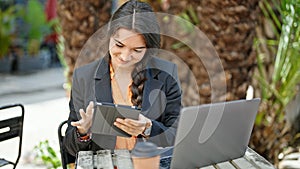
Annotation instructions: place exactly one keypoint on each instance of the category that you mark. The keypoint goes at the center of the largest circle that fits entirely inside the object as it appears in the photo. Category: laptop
(213, 133)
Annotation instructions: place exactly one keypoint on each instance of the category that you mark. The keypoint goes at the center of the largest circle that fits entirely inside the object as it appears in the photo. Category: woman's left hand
(133, 127)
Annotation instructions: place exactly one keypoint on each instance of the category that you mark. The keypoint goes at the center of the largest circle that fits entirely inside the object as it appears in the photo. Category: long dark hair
(138, 16)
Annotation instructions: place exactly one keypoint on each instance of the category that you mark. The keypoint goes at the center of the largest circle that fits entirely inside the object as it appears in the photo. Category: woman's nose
(126, 55)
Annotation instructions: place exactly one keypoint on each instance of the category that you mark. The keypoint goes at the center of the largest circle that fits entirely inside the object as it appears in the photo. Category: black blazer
(161, 102)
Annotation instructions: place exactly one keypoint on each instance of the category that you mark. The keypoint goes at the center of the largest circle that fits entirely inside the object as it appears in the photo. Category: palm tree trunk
(230, 26)
(79, 20)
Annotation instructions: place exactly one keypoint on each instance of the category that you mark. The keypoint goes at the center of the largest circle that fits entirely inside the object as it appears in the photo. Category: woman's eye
(119, 45)
(138, 51)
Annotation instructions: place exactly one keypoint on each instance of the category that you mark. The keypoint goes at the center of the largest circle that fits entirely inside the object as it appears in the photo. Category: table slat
(208, 167)
(225, 165)
(242, 163)
(257, 160)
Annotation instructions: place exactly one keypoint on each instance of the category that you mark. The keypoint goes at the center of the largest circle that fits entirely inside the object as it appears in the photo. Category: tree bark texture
(230, 26)
(79, 20)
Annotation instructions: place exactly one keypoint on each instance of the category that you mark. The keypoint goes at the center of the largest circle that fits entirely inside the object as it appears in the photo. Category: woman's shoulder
(162, 65)
(88, 69)
(159, 63)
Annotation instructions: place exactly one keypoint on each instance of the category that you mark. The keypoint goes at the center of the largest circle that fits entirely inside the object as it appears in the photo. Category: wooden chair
(11, 127)
(66, 158)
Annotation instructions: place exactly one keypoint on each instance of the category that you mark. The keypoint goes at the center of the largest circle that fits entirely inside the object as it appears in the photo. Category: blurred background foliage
(7, 21)
(278, 61)
(30, 34)
(38, 27)
(44, 153)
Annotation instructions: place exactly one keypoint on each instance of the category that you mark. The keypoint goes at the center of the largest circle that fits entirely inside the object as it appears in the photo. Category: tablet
(105, 114)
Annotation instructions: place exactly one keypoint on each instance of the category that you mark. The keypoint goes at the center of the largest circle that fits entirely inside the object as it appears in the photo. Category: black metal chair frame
(15, 129)
(66, 158)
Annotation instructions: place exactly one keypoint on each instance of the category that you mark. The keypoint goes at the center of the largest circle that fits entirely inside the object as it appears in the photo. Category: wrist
(148, 124)
(147, 130)
(82, 132)
(83, 137)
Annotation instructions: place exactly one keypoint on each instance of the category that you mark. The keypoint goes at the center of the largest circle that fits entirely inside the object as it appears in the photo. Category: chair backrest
(66, 158)
(12, 127)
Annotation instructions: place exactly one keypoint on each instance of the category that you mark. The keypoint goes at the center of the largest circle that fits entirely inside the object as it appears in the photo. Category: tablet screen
(105, 115)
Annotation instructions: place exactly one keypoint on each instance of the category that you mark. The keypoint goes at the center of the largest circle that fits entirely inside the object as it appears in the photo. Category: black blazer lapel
(102, 82)
(152, 94)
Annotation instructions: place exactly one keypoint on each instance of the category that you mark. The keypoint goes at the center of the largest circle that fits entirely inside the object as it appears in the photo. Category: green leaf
(7, 22)
(268, 13)
(259, 118)
(47, 154)
(274, 17)
(38, 27)
(193, 15)
(177, 45)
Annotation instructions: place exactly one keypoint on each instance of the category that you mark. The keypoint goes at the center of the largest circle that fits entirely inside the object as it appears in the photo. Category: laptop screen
(213, 133)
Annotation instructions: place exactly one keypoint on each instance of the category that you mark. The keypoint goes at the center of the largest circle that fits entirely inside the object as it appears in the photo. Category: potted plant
(37, 28)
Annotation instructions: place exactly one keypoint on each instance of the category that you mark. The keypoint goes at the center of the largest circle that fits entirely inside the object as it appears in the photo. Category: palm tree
(230, 26)
(79, 20)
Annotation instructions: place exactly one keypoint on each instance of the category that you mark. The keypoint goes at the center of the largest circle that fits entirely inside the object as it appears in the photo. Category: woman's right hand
(85, 123)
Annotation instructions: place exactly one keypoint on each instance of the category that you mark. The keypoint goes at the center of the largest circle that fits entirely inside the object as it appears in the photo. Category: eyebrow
(141, 47)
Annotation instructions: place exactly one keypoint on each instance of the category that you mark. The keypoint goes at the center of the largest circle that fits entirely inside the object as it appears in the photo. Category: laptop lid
(213, 133)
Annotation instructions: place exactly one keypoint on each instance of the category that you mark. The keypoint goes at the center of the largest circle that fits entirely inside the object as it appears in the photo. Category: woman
(129, 74)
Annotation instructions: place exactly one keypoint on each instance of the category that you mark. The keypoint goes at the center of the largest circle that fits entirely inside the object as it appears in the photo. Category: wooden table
(251, 160)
